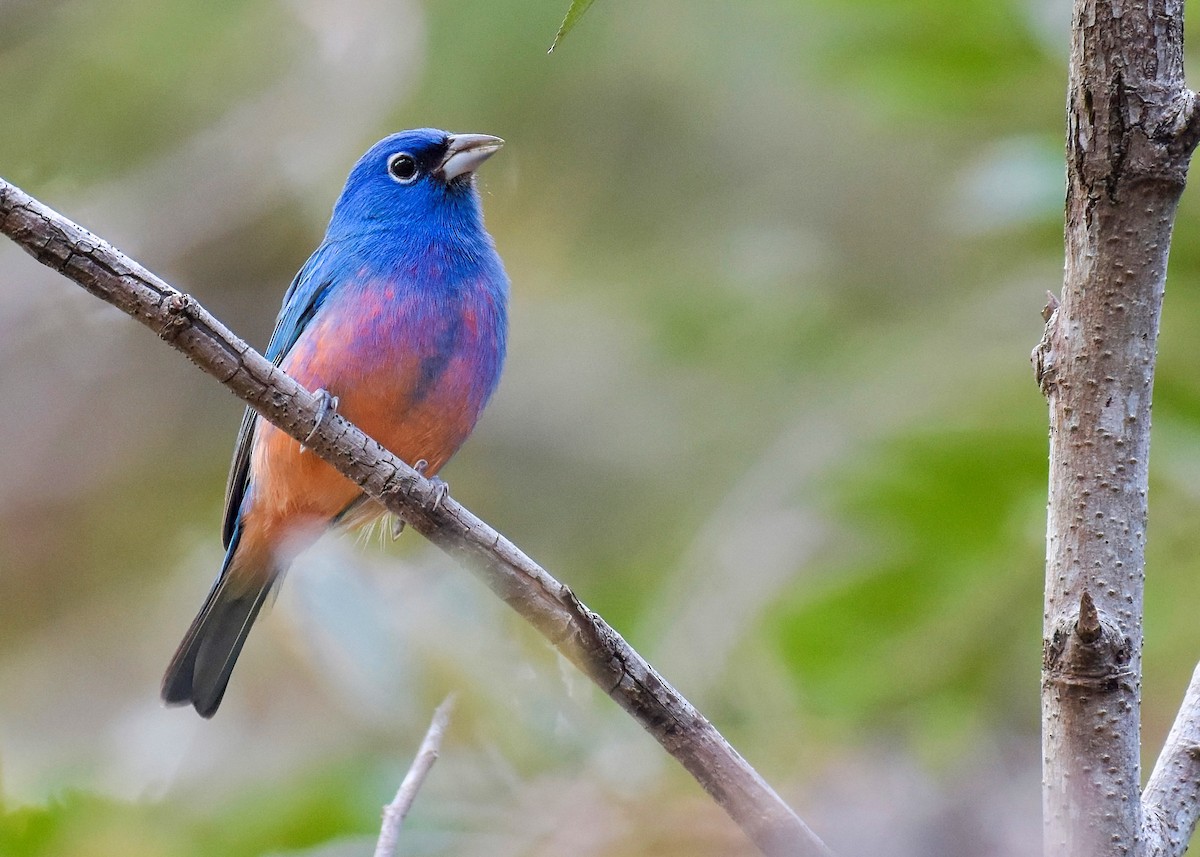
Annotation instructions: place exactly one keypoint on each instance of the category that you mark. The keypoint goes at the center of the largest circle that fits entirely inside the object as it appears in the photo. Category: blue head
(420, 183)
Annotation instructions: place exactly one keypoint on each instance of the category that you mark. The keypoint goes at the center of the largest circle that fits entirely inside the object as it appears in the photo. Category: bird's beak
(465, 152)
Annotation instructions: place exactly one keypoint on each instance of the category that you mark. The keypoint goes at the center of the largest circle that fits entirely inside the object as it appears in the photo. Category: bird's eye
(403, 167)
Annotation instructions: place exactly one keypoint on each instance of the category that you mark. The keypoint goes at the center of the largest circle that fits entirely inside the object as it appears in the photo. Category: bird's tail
(200, 669)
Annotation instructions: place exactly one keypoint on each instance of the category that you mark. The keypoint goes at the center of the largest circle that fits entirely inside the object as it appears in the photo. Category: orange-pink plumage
(401, 315)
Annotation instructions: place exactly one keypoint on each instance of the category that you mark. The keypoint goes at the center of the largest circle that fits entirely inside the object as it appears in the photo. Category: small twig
(1171, 799)
(395, 812)
(581, 635)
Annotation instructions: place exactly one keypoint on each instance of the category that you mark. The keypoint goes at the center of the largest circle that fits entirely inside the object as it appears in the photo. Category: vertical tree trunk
(1129, 138)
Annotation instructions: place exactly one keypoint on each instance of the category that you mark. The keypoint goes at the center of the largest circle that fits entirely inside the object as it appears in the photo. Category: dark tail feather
(200, 669)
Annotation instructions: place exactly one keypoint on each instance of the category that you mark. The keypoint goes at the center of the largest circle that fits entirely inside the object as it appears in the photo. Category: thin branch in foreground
(579, 634)
(395, 812)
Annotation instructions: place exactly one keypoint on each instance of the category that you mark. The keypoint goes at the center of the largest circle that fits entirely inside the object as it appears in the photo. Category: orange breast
(387, 386)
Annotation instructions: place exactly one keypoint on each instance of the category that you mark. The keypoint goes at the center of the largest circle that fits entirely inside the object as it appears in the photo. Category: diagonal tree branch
(1171, 799)
(578, 633)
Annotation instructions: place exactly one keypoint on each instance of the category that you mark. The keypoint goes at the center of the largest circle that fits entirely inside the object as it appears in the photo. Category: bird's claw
(441, 490)
(327, 405)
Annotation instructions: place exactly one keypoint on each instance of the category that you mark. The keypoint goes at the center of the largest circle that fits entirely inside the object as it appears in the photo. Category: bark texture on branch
(578, 633)
(1171, 801)
(1131, 127)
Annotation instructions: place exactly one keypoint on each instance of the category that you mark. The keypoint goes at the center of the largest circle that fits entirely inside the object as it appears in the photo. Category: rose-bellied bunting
(400, 317)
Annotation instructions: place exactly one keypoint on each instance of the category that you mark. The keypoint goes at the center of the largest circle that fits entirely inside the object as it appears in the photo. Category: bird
(400, 319)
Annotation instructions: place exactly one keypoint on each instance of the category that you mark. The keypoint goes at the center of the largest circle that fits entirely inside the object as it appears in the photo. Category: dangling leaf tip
(578, 7)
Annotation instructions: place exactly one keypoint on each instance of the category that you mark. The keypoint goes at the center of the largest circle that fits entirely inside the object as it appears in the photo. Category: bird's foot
(441, 490)
(328, 404)
(397, 527)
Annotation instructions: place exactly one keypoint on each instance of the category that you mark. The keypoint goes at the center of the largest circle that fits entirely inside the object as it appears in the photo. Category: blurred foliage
(317, 807)
(103, 86)
(777, 269)
(948, 510)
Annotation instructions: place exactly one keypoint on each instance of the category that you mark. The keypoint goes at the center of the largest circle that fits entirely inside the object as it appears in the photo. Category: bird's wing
(300, 303)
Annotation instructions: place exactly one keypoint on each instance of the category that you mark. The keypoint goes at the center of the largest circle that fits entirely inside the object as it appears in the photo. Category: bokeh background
(777, 269)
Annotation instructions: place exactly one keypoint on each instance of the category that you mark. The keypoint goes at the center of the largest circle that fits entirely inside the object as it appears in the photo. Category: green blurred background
(777, 268)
